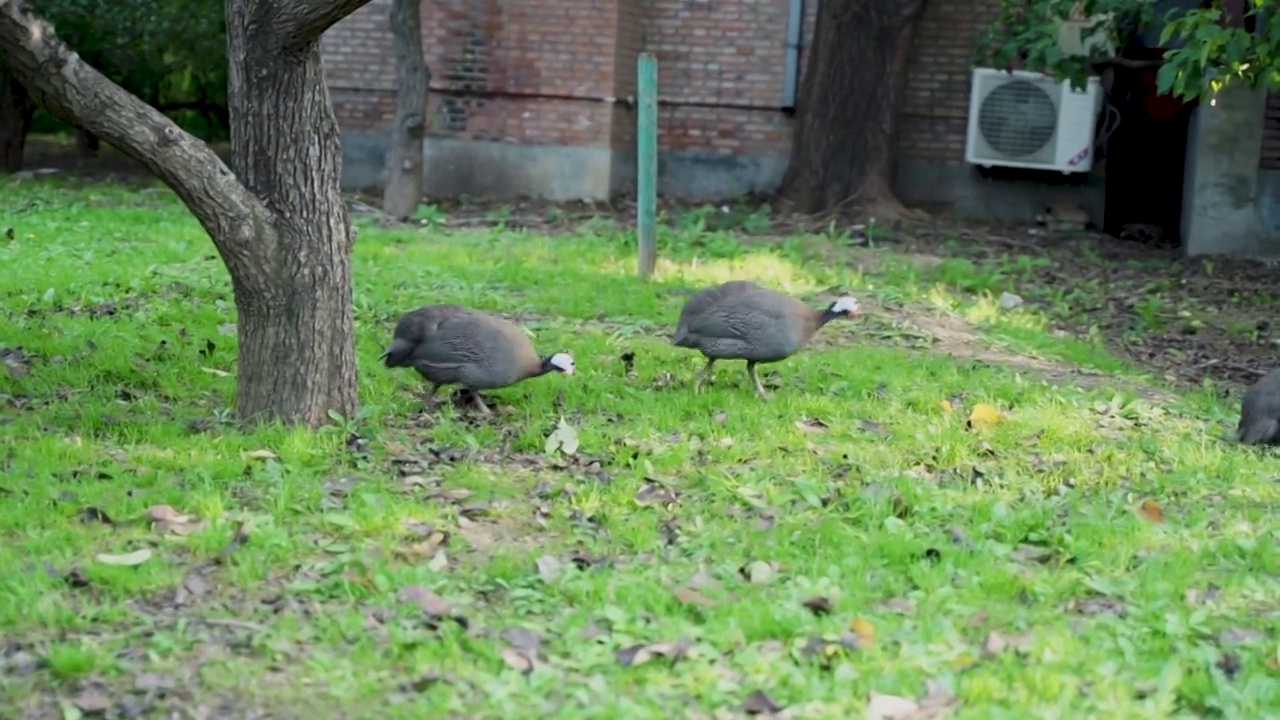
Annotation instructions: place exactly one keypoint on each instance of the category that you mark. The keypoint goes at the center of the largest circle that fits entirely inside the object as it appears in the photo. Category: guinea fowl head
(560, 362)
(846, 305)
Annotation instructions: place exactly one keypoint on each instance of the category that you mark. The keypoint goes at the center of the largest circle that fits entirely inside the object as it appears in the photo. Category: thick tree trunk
(16, 111)
(284, 233)
(297, 337)
(846, 125)
(403, 191)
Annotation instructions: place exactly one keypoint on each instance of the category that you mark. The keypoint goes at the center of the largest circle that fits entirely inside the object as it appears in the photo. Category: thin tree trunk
(16, 112)
(87, 144)
(403, 190)
(284, 233)
(846, 127)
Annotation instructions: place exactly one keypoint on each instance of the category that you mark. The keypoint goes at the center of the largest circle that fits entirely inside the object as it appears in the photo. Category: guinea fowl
(1260, 412)
(452, 344)
(740, 320)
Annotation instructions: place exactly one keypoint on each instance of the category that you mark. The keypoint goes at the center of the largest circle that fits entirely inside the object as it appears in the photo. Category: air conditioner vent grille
(1018, 119)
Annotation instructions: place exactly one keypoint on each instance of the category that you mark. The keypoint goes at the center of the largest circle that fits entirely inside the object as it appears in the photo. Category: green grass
(1004, 566)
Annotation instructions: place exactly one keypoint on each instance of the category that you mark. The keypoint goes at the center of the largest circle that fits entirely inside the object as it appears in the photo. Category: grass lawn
(608, 545)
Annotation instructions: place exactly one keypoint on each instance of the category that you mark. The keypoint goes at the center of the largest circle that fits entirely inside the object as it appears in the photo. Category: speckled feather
(452, 344)
(740, 320)
(1260, 411)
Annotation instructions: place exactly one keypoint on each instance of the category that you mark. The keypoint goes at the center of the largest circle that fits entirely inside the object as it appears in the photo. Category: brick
(526, 72)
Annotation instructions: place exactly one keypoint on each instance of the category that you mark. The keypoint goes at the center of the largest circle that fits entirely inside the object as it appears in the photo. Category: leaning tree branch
(67, 86)
(302, 22)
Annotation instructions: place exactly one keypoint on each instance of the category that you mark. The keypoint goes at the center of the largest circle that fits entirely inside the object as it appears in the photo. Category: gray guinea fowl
(456, 345)
(740, 320)
(1260, 412)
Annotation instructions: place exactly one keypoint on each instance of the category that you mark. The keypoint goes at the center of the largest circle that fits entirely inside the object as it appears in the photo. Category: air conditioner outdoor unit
(1029, 120)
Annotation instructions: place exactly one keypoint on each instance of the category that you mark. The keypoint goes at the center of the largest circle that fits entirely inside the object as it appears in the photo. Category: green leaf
(1165, 77)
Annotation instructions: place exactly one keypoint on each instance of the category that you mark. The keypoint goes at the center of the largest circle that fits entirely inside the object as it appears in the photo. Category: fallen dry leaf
(874, 427)
(95, 515)
(165, 513)
(758, 703)
(517, 660)
(653, 492)
(937, 700)
(563, 438)
(692, 597)
(996, 642)
(818, 605)
(193, 585)
(759, 571)
(946, 406)
(523, 639)
(420, 529)
(890, 707)
(137, 557)
(165, 519)
(864, 630)
(548, 567)
(812, 425)
(1150, 510)
(426, 600)
(260, 455)
(92, 701)
(984, 415)
(154, 682)
(438, 562)
(425, 549)
(636, 655)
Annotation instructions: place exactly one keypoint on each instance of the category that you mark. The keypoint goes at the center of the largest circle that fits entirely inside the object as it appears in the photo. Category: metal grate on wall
(1271, 133)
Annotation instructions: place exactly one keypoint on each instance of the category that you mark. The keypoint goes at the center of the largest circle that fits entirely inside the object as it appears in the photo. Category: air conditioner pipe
(791, 74)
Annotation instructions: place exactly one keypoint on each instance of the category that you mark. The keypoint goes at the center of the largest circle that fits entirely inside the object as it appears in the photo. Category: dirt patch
(953, 336)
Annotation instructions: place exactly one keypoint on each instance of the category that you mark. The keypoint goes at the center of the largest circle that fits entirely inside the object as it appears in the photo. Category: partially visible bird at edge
(1260, 412)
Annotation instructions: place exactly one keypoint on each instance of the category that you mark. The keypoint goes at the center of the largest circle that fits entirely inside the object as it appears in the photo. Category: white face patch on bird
(562, 362)
(847, 305)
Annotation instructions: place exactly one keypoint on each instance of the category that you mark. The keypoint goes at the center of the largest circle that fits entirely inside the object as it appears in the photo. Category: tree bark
(282, 229)
(846, 125)
(403, 190)
(16, 112)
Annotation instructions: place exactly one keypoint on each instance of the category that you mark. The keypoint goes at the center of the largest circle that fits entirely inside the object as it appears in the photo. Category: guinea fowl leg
(751, 372)
(430, 398)
(704, 375)
(484, 409)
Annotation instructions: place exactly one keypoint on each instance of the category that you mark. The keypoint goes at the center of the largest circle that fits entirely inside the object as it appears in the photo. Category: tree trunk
(16, 111)
(846, 124)
(296, 330)
(403, 191)
(281, 227)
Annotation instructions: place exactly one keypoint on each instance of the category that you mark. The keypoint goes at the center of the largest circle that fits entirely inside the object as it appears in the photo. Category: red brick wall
(518, 71)
(532, 72)
(721, 68)
(936, 107)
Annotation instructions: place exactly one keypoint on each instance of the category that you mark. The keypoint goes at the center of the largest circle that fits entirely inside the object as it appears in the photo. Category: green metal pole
(646, 163)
